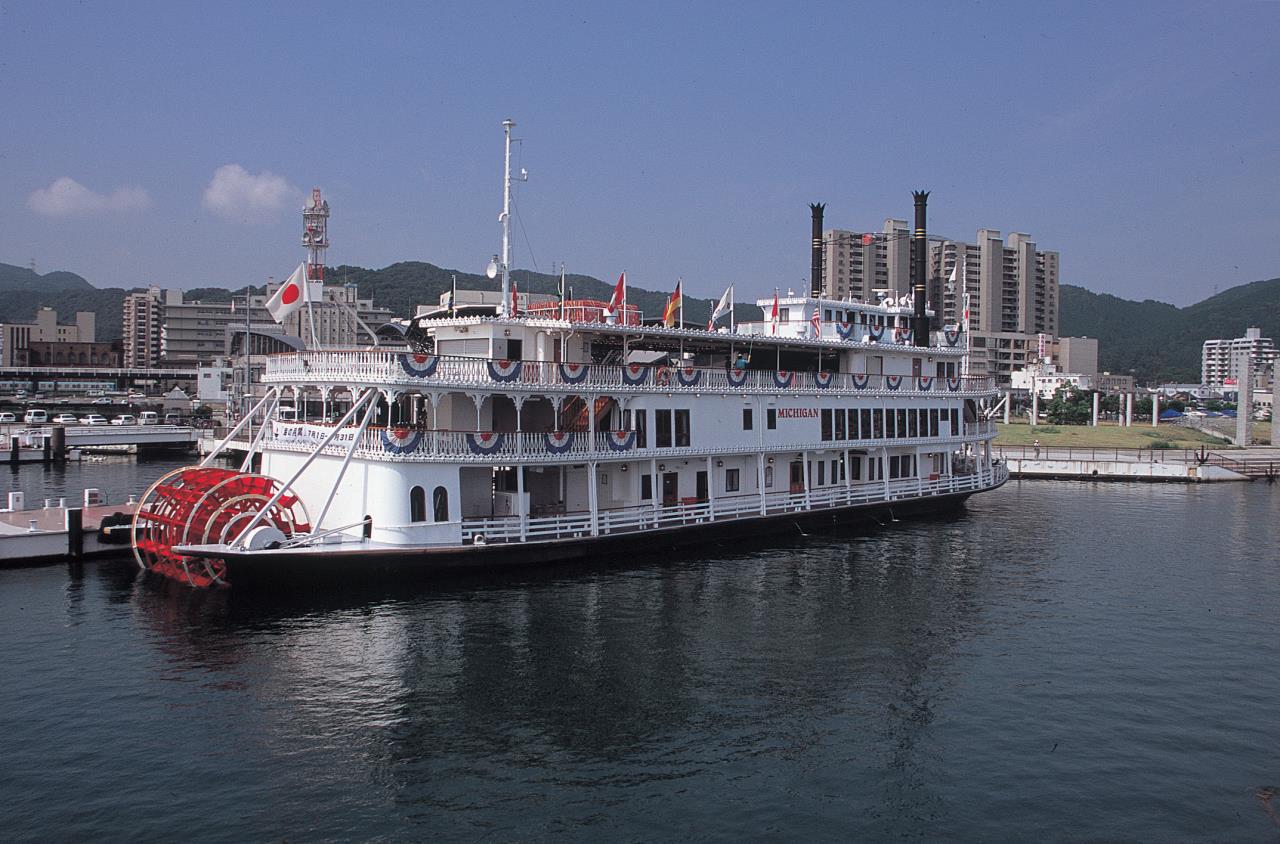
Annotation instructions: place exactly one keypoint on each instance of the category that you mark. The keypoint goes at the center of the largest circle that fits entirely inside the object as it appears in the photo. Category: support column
(1128, 410)
(1275, 416)
(1155, 410)
(1035, 407)
(1008, 406)
(593, 497)
(1244, 404)
(1096, 399)
(848, 478)
(655, 487)
(524, 510)
(764, 505)
(711, 488)
(808, 477)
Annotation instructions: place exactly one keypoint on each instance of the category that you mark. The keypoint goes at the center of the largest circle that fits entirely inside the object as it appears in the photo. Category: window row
(891, 423)
(671, 428)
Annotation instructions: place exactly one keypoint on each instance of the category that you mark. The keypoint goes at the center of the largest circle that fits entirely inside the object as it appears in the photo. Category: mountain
(1159, 342)
(1156, 341)
(21, 278)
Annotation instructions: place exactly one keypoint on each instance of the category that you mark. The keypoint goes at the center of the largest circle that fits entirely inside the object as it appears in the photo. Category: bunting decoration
(737, 377)
(951, 335)
(504, 370)
(822, 380)
(924, 383)
(860, 382)
(558, 442)
(845, 330)
(953, 384)
(635, 374)
(688, 376)
(485, 442)
(419, 366)
(782, 379)
(573, 373)
(893, 382)
(875, 332)
(621, 440)
(401, 440)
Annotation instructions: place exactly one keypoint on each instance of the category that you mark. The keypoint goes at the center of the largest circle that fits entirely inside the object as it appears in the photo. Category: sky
(173, 143)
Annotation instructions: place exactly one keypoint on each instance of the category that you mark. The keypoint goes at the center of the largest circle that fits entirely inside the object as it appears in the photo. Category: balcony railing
(412, 370)
(406, 443)
(652, 516)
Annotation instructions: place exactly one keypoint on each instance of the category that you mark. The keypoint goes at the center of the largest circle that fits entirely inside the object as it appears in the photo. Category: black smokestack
(920, 280)
(815, 269)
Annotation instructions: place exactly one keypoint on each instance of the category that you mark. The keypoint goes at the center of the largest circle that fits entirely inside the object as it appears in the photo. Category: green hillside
(1154, 340)
(1159, 342)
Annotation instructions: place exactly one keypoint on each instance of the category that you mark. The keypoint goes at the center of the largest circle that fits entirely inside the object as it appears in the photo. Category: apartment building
(141, 332)
(1220, 359)
(16, 338)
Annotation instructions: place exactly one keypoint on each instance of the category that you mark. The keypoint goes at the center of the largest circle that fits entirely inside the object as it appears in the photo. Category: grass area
(1105, 436)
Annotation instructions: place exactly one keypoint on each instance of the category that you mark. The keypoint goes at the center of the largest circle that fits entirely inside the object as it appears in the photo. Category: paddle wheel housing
(200, 505)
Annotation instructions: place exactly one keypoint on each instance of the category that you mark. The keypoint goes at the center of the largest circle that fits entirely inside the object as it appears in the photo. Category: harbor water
(1056, 661)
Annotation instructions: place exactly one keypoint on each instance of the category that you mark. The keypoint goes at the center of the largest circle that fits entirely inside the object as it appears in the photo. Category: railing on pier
(408, 369)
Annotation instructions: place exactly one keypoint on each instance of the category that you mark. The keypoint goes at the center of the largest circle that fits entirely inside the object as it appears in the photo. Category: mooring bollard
(75, 532)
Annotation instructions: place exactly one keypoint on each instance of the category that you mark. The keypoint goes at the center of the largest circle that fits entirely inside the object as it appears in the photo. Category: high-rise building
(1013, 287)
(1220, 359)
(142, 330)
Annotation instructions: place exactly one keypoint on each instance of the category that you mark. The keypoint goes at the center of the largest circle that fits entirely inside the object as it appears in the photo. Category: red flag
(773, 315)
(515, 301)
(868, 239)
(619, 296)
(669, 316)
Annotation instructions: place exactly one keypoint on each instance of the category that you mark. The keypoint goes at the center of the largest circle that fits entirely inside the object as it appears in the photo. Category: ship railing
(407, 369)
(422, 444)
(679, 513)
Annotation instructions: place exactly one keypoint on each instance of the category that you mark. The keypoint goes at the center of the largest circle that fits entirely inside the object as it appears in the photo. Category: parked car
(7, 417)
(36, 417)
(65, 419)
(102, 400)
(173, 418)
(148, 417)
(137, 397)
(125, 419)
(93, 419)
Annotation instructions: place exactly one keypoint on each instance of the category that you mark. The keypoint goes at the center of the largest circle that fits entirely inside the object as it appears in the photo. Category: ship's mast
(505, 218)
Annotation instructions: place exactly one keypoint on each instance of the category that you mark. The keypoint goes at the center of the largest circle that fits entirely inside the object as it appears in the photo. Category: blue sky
(170, 143)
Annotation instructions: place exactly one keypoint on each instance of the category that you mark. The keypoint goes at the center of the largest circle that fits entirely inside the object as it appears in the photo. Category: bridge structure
(141, 437)
(32, 377)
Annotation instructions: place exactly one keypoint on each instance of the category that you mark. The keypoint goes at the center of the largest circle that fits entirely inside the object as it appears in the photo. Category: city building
(1076, 354)
(1105, 382)
(44, 353)
(16, 338)
(1220, 359)
(141, 331)
(1013, 287)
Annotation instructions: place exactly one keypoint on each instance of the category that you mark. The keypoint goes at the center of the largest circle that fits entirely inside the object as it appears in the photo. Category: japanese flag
(293, 294)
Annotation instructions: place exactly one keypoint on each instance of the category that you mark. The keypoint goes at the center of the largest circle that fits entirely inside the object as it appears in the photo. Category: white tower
(315, 234)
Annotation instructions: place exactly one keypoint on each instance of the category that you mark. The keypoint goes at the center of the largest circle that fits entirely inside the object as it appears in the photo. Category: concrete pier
(1244, 406)
(1096, 399)
(1155, 410)
(1128, 410)
(1035, 408)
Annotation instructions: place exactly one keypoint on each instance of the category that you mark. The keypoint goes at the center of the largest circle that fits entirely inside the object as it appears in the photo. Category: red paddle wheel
(200, 505)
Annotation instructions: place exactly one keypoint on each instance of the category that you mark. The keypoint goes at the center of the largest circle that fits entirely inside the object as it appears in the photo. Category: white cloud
(237, 194)
(66, 197)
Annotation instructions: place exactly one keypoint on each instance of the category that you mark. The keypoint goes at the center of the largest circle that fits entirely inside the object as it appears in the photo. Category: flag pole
(732, 330)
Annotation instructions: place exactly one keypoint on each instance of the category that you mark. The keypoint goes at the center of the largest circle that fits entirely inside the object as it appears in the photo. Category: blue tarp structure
(1170, 413)
(1230, 413)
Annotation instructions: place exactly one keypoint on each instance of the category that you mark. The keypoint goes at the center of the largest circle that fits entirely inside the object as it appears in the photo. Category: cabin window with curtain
(746, 419)
(642, 429)
(682, 429)
(440, 504)
(731, 480)
(768, 477)
(417, 504)
(826, 424)
(662, 424)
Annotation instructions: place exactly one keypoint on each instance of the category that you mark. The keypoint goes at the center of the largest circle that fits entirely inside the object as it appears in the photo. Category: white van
(148, 417)
(36, 417)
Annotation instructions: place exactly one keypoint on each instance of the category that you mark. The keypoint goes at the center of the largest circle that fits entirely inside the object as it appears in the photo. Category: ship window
(877, 423)
(826, 424)
(902, 421)
(913, 424)
(855, 468)
(768, 477)
(682, 429)
(822, 472)
(924, 422)
(662, 422)
(646, 487)
(440, 504)
(417, 504)
(891, 424)
(642, 429)
(839, 420)
(746, 419)
(771, 418)
(933, 422)
(865, 425)
(731, 480)
(836, 474)
(955, 422)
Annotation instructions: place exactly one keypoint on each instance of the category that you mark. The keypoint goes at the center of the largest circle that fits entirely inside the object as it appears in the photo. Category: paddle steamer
(574, 430)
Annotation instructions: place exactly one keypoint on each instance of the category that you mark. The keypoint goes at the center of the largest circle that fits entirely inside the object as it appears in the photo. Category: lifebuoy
(662, 377)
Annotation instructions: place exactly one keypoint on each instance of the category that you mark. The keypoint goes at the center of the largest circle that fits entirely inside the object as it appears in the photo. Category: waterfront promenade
(1145, 464)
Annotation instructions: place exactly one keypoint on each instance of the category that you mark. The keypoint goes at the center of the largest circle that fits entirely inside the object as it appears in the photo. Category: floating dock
(58, 532)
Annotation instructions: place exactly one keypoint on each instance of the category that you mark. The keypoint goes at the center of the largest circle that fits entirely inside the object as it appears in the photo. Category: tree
(1070, 406)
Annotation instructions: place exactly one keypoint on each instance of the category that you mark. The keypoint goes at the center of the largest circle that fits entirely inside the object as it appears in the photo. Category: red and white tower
(315, 234)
